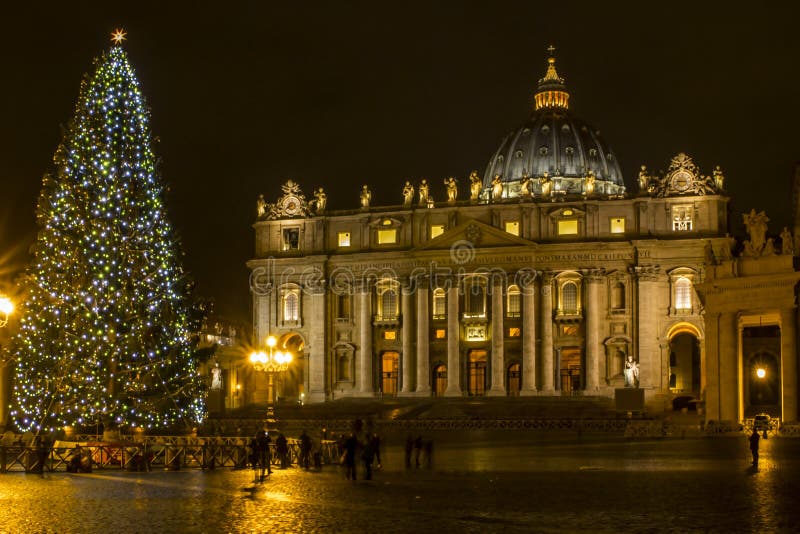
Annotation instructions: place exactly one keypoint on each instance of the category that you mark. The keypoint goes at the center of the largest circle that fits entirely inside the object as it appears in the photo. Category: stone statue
(631, 373)
(525, 185)
(216, 377)
(546, 184)
(261, 206)
(423, 193)
(588, 184)
(452, 189)
(643, 179)
(366, 196)
(719, 179)
(769, 248)
(497, 187)
(787, 242)
(756, 224)
(475, 186)
(408, 194)
(322, 199)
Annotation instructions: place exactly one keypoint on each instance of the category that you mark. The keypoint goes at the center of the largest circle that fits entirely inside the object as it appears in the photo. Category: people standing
(262, 456)
(282, 450)
(305, 450)
(754, 438)
(350, 448)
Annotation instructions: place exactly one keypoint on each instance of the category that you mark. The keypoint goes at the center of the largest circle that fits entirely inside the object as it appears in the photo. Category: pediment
(476, 233)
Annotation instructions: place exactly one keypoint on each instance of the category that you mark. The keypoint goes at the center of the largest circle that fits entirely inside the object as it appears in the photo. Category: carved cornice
(647, 273)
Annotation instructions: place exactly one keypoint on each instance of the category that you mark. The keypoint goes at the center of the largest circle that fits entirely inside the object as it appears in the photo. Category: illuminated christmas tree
(105, 334)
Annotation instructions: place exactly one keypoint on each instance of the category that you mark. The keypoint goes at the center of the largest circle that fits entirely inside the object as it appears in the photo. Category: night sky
(245, 95)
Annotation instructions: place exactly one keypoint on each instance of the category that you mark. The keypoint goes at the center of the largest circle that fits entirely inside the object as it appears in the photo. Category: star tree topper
(118, 36)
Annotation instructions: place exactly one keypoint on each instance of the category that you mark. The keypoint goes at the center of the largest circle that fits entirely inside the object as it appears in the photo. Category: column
(788, 365)
(498, 358)
(364, 364)
(728, 357)
(409, 331)
(548, 373)
(710, 391)
(423, 339)
(453, 343)
(316, 348)
(647, 335)
(528, 339)
(592, 307)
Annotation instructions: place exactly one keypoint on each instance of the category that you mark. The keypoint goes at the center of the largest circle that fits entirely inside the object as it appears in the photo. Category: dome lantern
(552, 93)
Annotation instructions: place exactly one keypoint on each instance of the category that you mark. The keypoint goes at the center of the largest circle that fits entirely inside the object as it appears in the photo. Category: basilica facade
(544, 275)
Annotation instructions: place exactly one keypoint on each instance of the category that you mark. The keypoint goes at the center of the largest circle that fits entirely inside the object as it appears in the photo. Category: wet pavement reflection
(478, 482)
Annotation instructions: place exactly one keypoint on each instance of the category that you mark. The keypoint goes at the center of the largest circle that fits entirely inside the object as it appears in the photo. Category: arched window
(683, 294)
(291, 305)
(513, 302)
(439, 303)
(618, 296)
(387, 300)
(569, 296)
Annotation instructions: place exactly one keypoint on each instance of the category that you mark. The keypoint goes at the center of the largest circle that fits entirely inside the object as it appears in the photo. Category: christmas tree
(105, 333)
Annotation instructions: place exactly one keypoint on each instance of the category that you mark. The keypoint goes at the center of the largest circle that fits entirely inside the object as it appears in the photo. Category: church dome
(561, 154)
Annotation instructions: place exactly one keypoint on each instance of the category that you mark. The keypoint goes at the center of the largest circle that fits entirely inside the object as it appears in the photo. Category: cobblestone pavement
(498, 482)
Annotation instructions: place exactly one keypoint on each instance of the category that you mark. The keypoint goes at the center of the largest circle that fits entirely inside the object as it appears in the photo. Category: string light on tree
(105, 330)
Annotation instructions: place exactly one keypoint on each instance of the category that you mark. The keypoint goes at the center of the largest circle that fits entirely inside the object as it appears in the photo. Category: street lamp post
(274, 361)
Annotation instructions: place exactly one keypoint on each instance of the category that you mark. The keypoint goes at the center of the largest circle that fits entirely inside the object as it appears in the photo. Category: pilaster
(453, 343)
(498, 358)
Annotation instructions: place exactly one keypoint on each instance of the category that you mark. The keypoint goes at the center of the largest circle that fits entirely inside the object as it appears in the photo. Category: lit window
(387, 237)
(618, 225)
(344, 239)
(436, 230)
(441, 333)
(569, 298)
(568, 227)
(291, 306)
(439, 304)
(291, 238)
(513, 302)
(387, 300)
(681, 218)
(683, 294)
(513, 332)
(512, 227)
(390, 334)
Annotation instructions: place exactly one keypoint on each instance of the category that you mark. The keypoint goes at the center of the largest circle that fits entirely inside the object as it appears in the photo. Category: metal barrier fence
(198, 453)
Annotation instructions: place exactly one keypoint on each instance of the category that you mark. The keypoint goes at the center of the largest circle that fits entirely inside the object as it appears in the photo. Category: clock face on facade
(681, 181)
(291, 205)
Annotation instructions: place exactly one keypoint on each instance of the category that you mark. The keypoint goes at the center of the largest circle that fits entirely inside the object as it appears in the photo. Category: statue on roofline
(475, 186)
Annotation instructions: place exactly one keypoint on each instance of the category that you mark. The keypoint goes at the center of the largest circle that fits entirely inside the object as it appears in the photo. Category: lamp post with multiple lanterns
(271, 362)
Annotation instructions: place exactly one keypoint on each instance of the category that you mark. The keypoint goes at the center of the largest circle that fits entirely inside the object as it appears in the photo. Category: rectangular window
(513, 307)
(681, 218)
(568, 227)
(512, 227)
(618, 225)
(387, 237)
(390, 335)
(439, 304)
(436, 230)
(513, 332)
(291, 238)
(441, 333)
(344, 239)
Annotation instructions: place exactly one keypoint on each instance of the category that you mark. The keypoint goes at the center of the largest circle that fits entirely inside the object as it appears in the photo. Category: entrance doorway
(477, 373)
(439, 380)
(514, 380)
(291, 384)
(571, 370)
(684, 365)
(389, 365)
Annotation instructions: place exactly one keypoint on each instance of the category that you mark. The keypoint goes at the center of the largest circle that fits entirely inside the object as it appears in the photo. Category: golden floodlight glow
(6, 306)
(761, 372)
(271, 341)
(118, 36)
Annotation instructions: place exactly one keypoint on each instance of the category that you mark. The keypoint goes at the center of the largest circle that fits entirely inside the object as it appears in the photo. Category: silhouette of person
(754, 438)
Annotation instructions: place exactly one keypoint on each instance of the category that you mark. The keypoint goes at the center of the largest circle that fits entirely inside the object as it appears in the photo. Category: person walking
(754, 439)
(351, 445)
(305, 450)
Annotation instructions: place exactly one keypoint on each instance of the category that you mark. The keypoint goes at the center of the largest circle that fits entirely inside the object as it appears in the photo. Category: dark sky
(245, 95)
